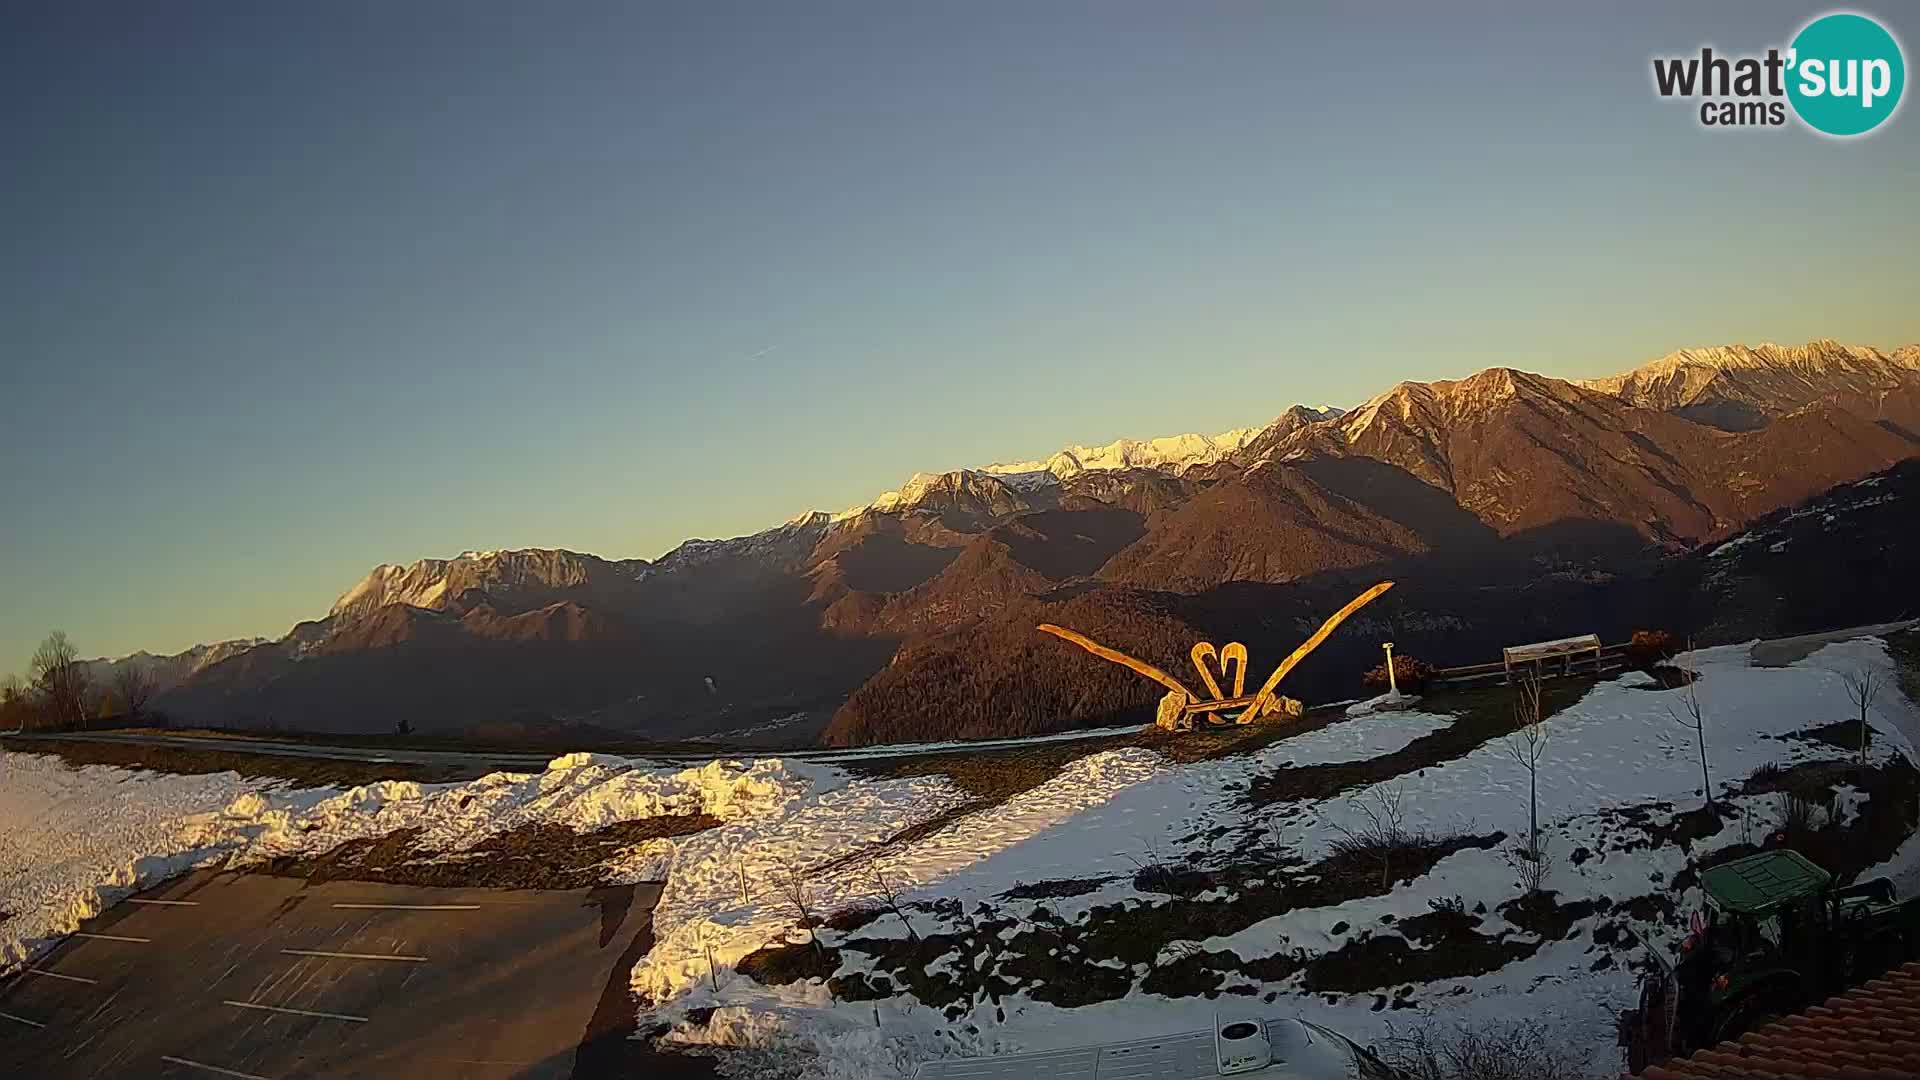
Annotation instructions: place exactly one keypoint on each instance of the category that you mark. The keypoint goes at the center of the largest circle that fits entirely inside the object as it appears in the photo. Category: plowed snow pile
(73, 841)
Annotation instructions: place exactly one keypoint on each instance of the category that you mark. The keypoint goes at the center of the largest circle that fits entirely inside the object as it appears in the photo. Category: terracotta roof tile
(1869, 1033)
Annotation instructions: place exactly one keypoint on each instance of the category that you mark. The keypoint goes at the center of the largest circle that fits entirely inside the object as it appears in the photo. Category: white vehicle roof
(1301, 1051)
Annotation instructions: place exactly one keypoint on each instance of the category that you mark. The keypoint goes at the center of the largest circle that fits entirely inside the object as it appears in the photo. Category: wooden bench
(1541, 651)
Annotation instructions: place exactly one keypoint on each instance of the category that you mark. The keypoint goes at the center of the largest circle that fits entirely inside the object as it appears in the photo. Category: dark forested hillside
(1508, 505)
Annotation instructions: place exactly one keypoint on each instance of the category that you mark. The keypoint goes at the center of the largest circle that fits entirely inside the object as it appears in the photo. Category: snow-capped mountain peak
(1171, 453)
(1741, 386)
(429, 583)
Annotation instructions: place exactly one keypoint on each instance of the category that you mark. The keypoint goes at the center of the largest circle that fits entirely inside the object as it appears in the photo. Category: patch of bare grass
(1479, 716)
(1512, 1050)
(538, 856)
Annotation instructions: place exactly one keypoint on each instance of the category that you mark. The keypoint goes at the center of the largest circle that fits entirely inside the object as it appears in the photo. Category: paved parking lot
(269, 978)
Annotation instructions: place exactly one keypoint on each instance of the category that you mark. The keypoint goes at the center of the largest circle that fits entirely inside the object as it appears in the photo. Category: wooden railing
(1611, 656)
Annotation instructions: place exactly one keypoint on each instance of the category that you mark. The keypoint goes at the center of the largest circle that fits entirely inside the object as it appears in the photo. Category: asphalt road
(1781, 652)
(1778, 652)
(507, 762)
(526, 762)
(267, 978)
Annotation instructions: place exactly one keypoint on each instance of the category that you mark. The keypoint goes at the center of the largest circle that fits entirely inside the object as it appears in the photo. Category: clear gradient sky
(288, 290)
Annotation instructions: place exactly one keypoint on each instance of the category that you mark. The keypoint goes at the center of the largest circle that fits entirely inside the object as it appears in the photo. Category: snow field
(1616, 749)
(75, 840)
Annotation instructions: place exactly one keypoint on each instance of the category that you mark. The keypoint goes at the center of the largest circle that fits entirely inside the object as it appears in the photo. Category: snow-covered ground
(73, 840)
(1617, 749)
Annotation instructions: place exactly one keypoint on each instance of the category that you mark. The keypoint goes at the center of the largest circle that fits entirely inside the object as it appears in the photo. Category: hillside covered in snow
(852, 921)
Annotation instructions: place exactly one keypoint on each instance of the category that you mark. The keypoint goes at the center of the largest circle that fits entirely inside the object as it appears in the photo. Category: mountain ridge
(1504, 476)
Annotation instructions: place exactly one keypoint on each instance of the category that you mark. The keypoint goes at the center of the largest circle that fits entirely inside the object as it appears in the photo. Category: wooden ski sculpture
(1181, 706)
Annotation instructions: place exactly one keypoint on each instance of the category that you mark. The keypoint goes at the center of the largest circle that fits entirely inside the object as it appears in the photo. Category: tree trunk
(1706, 785)
(1533, 810)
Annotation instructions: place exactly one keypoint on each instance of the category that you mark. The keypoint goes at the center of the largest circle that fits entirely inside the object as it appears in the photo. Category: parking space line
(22, 1020)
(354, 955)
(114, 937)
(57, 975)
(164, 903)
(296, 1012)
(215, 1069)
(408, 907)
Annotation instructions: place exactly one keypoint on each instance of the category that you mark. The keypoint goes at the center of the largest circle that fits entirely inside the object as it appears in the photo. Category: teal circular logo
(1845, 74)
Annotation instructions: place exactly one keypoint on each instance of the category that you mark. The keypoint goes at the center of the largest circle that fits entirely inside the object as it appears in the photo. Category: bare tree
(1383, 836)
(60, 679)
(1691, 715)
(790, 884)
(1863, 685)
(1527, 742)
(886, 892)
(133, 685)
(15, 708)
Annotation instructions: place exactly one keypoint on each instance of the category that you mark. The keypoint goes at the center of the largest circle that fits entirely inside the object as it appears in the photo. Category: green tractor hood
(1757, 884)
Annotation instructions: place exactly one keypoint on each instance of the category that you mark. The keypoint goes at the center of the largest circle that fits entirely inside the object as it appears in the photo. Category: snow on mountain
(1172, 453)
(1734, 387)
(168, 671)
(431, 583)
(1741, 388)
(1445, 402)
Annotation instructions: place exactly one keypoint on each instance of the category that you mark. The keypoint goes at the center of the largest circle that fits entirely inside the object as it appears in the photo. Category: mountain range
(1506, 504)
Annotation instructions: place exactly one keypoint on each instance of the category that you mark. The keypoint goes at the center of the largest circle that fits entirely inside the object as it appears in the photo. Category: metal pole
(1393, 684)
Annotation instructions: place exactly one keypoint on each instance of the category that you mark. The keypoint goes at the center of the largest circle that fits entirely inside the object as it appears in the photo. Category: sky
(290, 290)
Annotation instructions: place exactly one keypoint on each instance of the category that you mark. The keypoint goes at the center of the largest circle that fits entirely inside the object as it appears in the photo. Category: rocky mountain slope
(1506, 503)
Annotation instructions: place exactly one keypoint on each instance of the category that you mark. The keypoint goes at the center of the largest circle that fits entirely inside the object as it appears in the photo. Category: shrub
(1648, 648)
(1516, 1050)
(1413, 675)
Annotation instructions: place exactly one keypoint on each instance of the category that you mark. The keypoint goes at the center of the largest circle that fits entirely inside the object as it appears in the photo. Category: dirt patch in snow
(1542, 914)
(1215, 743)
(778, 965)
(1665, 677)
(1387, 960)
(849, 919)
(193, 761)
(1885, 821)
(1479, 716)
(1841, 735)
(991, 778)
(534, 856)
(1656, 825)
(1057, 889)
(961, 957)
(1905, 650)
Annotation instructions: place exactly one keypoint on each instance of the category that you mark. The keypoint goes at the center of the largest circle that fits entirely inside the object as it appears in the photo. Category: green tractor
(1774, 937)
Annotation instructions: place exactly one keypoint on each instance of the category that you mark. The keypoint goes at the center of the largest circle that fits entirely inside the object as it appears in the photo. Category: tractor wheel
(1633, 1035)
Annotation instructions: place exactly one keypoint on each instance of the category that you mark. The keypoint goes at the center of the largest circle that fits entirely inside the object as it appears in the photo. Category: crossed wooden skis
(1181, 706)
